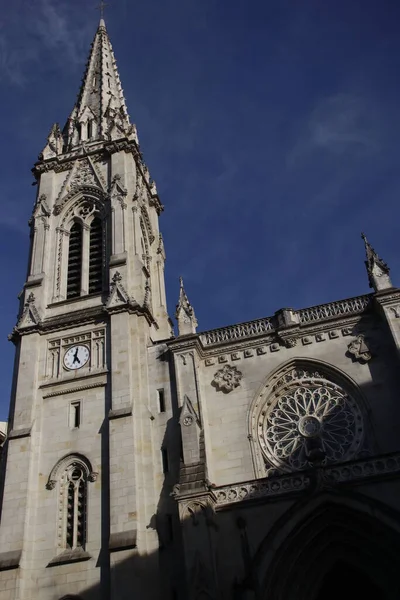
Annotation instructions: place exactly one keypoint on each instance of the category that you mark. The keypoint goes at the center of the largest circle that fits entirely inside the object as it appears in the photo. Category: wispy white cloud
(343, 123)
(28, 35)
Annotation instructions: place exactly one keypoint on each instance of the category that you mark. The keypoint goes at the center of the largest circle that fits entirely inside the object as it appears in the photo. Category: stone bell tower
(84, 466)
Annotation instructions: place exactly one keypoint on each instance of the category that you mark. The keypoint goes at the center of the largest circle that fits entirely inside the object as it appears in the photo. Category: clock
(76, 357)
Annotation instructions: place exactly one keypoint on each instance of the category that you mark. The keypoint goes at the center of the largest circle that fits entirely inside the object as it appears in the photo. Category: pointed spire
(100, 112)
(377, 269)
(184, 313)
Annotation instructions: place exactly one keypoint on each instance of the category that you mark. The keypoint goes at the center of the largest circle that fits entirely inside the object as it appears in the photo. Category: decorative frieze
(343, 308)
(261, 489)
(234, 332)
(287, 343)
(325, 477)
(350, 306)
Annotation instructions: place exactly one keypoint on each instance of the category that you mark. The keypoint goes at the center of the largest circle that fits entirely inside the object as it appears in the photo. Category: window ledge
(10, 560)
(122, 540)
(75, 300)
(69, 556)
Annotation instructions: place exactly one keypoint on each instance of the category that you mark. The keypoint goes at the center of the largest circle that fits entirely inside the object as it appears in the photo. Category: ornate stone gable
(30, 316)
(118, 295)
(84, 174)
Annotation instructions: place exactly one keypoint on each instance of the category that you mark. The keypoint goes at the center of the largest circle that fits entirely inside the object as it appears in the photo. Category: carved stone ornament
(308, 419)
(188, 420)
(93, 476)
(227, 379)
(359, 349)
(30, 315)
(51, 484)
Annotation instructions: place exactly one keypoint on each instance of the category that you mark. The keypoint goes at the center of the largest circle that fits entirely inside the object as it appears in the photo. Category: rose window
(312, 419)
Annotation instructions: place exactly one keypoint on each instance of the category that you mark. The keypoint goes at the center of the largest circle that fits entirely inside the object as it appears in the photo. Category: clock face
(76, 356)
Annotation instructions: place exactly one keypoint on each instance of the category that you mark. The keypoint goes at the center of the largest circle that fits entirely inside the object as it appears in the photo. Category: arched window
(95, 256)
(89, 129)
(74, 261)
(70, 476)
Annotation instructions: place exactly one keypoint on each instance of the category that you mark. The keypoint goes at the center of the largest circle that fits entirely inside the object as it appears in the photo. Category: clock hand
(76, 359)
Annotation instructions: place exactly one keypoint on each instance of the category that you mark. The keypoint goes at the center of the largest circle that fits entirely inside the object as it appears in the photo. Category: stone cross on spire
(184, 314)
(377, 269)
(101, 8)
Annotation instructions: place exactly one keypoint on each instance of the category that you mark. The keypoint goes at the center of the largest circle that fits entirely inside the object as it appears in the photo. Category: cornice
(100, 150)
(356, 472)
(72, 389)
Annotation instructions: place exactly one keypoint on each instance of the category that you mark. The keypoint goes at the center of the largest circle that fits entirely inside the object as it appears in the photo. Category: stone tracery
(307, 418)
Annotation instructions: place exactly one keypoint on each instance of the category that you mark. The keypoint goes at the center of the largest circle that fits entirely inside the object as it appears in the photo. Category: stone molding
(71, 390)
(119, 413)
(10, 560)
(122, 540)
(354, 472)
(19, 433)
(69, 556)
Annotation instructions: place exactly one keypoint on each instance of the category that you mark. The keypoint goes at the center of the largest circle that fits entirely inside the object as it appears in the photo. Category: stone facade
(255, 461)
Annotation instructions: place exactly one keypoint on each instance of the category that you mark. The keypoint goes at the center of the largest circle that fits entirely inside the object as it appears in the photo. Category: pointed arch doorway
(329, 551)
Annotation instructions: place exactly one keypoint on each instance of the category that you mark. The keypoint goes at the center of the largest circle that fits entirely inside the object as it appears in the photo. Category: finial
(377, 269)
(101, 8)
(184, 313)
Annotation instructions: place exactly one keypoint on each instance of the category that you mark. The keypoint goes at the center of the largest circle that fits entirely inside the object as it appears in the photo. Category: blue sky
(270, 127)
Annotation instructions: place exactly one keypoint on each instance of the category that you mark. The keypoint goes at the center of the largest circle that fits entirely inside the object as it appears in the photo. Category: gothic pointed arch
(82, 246)
(314, 538)
(306, 412)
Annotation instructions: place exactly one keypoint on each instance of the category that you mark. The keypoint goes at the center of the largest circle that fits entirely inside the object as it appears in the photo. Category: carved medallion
(227, 379)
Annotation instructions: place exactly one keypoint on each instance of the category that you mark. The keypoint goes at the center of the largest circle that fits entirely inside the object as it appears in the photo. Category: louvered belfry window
(95, 257)
(74, 261)
(75, 483)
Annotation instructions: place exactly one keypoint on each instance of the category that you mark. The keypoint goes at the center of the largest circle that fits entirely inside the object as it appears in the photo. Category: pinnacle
(376, 268)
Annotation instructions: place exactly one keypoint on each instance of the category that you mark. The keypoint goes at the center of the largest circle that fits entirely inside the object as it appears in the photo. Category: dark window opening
(161, 401)
(71, 515)
(76, 509)
(95, 257)
(165, 464)
(74, 261)
(90, 129)
(75, 415)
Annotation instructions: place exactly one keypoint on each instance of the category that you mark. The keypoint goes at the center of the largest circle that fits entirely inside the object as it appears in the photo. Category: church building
(258, 461)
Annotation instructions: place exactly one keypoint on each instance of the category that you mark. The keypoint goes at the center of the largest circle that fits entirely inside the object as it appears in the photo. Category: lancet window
(73, 497)
(95, 256)
(85, 269)
(70, 477)
(74, 261)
